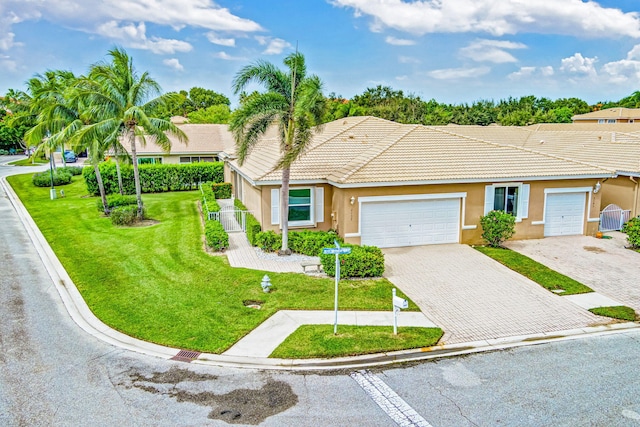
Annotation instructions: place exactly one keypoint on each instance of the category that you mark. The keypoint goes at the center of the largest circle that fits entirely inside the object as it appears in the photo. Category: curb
(87, 321)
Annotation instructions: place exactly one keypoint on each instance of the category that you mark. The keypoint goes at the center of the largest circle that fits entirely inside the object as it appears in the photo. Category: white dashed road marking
(387, 399)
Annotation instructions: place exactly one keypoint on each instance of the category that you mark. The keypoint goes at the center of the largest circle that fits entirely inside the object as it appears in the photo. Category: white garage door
(410, 223)
(565, 214)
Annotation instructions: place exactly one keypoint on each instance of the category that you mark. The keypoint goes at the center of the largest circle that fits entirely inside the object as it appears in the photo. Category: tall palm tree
(294, 102)
(122, 103)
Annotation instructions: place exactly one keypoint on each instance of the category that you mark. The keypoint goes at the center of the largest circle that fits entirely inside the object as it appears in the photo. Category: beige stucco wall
(346, 214)
(621, 191)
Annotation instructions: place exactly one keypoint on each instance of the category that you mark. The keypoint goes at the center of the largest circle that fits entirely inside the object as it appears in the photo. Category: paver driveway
(602, 264)
(471, 297)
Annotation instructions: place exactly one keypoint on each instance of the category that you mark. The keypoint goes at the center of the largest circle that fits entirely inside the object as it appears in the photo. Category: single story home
(387, 184)
(205, 143)
(609, 116)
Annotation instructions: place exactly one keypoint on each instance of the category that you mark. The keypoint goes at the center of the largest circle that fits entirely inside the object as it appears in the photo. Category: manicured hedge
(363, 261)
(221, 190)
(72, 170)
(43, 179)
(632, 228)
(154, 178)
(124, 215)
(217, 239)
(115, 200)
(268, 241)
(311, 242)
(209, 203)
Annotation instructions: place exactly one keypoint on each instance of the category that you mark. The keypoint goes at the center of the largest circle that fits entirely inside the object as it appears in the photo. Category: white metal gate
(231, 218)
(613, 218)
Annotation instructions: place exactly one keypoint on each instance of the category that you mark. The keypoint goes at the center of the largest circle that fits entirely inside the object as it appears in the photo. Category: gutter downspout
(634, 213)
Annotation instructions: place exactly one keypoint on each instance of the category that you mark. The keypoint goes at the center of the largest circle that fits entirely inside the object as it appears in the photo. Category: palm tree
(294, 102)
(119, 101)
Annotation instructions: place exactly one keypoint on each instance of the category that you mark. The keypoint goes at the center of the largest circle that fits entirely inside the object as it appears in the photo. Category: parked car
(70, 156)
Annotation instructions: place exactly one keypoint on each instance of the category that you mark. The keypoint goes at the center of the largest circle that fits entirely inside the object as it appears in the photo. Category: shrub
(363, 261)
(3, 152)
(632, 228)
(497, 226)
(222, 190)
(268, 241)
(72, 170)
(154, 178)
(116, 200)
(43, 179)
(215, 236)
(311, 242)
(124, 215)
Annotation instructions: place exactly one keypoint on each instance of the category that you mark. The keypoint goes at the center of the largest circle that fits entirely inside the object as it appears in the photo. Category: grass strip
(621, 312)
(157, 284)
(318, 341)
(29, 162)
(542, 275)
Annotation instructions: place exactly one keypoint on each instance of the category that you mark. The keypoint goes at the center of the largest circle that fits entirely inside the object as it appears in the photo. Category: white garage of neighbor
(395, 221)
(564, 212)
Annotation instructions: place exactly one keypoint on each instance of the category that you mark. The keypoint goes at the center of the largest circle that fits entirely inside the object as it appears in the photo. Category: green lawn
(535, 271)
(318, 341)
(621, 312)
(156, 283)
(29, 162)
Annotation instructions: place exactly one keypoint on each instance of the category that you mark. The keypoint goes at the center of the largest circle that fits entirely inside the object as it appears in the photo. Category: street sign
(336, 251)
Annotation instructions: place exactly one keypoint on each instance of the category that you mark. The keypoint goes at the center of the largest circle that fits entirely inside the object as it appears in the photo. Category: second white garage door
(564, 214)
(410, 223)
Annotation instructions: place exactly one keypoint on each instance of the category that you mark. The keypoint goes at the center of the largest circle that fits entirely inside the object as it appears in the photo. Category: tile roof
(203, 139)
(366, 150)
(610, 113)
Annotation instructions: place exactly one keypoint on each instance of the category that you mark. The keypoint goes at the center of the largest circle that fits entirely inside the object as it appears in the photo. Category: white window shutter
(319, 201)
(488, 199)
(275, 206)
(523, 203)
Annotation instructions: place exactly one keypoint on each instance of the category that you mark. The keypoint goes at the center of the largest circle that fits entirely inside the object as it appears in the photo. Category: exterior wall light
(266, 284)
(352, 200)
(596, 187)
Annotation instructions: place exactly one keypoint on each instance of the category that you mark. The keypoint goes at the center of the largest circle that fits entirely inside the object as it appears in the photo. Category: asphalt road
(54, 374)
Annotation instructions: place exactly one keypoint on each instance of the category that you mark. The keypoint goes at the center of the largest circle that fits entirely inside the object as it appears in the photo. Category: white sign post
(398, 303)
(337, 251)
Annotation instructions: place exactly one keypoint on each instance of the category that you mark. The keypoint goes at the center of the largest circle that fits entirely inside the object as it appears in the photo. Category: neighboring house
(387, 184)
(609, 116)
(206, 142)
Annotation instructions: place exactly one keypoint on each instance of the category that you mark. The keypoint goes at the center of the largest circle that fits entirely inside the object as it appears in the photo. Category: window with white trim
(149, 160)
(306, 206)
(511, 198)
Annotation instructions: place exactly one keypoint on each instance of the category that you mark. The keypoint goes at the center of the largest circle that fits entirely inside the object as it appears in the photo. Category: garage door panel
(564, 214)
(410, 223)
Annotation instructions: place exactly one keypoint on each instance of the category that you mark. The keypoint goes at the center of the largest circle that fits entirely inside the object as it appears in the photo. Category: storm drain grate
(186, 356)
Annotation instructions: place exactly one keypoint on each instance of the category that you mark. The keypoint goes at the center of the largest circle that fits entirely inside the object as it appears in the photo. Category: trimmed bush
(363, 261)
(217, 239)
(222, 190)
(124, 215)
(311, 242)
(154, 178)
(115, 200)
(497, 226)
(268, 241)
(72, 170)
(43, 179)
(632, 228)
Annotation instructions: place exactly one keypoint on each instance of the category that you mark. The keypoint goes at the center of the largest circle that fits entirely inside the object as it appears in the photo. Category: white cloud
(408, 60)
(578, 64)
(482, 50)
(6, 41)
(173, 63)
(399, 42)
(227, 57)
(8, 64)
(131, 35)
(215, 39)
(458, 73)
(275, 46)
(625, 70)
(569, 17)
(531, 72)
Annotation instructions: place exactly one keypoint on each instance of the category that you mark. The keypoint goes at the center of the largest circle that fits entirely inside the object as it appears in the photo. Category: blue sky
(454, 51)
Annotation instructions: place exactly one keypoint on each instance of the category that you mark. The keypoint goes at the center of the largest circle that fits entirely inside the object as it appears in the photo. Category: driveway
(472, 298)
(602, 264)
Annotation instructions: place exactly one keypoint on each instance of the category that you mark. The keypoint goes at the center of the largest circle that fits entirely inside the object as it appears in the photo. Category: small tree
(497, 226)
(632, 228)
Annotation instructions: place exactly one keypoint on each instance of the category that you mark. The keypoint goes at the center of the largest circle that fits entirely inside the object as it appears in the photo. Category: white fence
(613, 217)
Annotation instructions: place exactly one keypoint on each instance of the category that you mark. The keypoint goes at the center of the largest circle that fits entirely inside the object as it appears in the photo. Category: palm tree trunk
(103, 195)
(284, 211)
(119, 175)
(136, 173)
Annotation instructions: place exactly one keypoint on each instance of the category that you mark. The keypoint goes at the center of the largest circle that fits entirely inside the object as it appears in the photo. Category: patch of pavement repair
(240, 406)
(594, 249)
